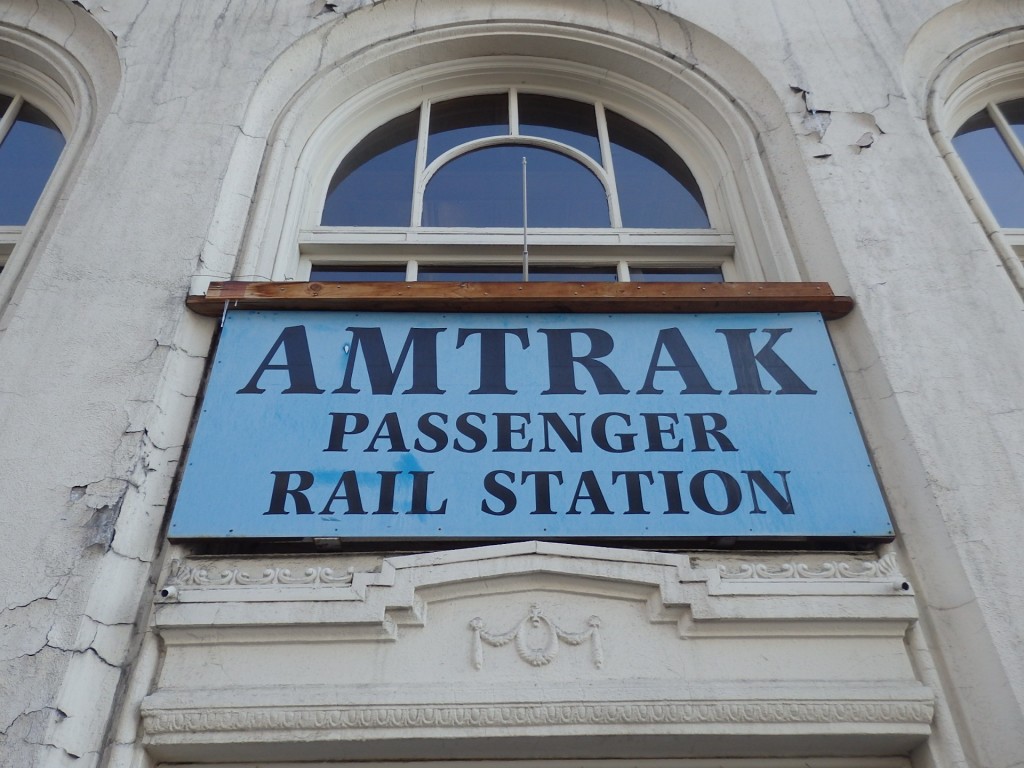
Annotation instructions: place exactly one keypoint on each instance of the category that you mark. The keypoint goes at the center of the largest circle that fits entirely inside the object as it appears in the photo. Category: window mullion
(8, 118)
(513, 112)
(609, 167)
(1007, 132)
(421, 164)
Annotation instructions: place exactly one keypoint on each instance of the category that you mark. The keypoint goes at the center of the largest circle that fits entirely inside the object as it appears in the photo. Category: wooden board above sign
(568, 297)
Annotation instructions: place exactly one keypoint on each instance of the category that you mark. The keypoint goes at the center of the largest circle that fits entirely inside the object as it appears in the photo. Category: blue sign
(366, 425)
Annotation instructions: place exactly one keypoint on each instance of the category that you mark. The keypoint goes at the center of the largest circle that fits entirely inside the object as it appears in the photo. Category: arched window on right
(977, 118)
(991, 145)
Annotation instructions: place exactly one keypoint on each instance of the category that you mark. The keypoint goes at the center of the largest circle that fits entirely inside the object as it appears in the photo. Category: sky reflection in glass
(514, 274)
(656, 189)
(457, 121)
(484, 189)
(28, 156)
(993, 168)
(373, 185)
(570, 122)
(1013, 111)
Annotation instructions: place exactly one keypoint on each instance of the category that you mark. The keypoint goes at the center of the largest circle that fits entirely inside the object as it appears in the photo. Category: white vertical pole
(526, 247)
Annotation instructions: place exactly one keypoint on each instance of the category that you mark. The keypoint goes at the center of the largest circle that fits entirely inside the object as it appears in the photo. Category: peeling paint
(865, 140)
(846, 166)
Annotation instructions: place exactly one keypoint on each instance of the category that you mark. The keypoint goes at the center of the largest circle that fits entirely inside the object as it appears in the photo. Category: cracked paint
(133, 359)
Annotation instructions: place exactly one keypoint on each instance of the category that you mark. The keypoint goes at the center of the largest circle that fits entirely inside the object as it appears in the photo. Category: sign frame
(768, 343)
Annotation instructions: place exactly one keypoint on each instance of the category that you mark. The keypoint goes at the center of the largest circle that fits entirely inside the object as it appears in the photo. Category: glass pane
(484, 189)
(471, 274)
(573, 274)
(570, 122)
(28, 156)
(374, 274)
(993, 169)
(656, 189)
(1013, 111)
(514, 274)
(457, 121)
(373, 185)
(669, 275)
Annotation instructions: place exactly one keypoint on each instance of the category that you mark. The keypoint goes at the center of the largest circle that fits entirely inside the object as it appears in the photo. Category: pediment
(531, 639)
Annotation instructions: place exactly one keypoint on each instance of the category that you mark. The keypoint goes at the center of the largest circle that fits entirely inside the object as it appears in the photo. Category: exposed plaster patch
(857, 130)
(872, 130)
(88, 9)
(348, 7)
(103, 498)
(815, 120)
(101, 527)
(865, 141)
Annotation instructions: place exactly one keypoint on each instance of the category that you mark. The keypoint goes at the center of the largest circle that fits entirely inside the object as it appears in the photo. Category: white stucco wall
(182, 173)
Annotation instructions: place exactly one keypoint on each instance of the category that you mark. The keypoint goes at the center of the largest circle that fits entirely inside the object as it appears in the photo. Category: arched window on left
(30, 145)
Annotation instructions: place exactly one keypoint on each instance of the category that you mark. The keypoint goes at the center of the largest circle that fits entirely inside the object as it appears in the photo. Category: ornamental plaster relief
(551, 634)
(191, 576)
(529, 638)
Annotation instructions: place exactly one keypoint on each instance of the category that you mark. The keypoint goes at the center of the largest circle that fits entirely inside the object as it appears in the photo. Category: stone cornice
(197, 722)
(330, 574)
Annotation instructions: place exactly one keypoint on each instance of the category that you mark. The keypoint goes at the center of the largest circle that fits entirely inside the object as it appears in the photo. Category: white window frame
(609, 762)
(745, 239)
(980, 78)
(712, 247)
(1013, 235)
(314, 109)
(71, 92)
(613, 247)
(26, 85)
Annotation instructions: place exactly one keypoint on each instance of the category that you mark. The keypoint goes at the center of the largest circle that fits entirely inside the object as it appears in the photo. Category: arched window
(30, 144)
(977, 116)
(406, 164)
(437, 193)
(49, 99)
(991, 145)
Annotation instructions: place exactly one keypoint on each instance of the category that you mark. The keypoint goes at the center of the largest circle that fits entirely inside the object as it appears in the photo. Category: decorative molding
(537, 657)
(184, 574)
(504, 715)
(884, 568)
(287, 572)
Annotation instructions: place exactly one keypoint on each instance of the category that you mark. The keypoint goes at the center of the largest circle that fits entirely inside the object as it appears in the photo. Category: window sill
(524, 297)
